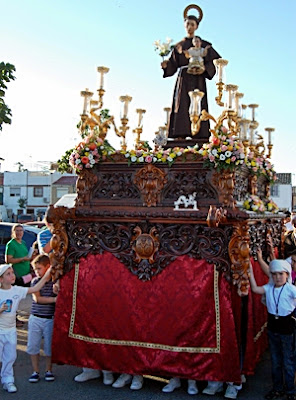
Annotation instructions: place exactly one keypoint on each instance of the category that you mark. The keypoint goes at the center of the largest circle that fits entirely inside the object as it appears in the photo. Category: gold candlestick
(139, 128)
(269, 145)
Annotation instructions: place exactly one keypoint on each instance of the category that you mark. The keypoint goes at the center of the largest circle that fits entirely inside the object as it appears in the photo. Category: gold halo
(196, 8)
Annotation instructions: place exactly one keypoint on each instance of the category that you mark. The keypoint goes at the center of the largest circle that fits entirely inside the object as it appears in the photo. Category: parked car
(23, 218)
(36, 224)
(30, 236)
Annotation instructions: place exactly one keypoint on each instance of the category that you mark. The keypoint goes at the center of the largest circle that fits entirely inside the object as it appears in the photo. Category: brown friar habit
(179, 124)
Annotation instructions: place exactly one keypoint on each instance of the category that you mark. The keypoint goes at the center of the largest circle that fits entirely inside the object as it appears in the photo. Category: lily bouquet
(163, 48)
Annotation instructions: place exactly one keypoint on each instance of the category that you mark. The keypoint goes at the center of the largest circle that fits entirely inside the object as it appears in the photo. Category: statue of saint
(179, 123)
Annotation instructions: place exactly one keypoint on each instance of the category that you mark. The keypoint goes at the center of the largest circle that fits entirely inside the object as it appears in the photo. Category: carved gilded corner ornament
(224, 182)
(85, 182)
(239, 251)
(145, 245)
(59, 241)
(215, 216)
(267, 190)
(150, 180)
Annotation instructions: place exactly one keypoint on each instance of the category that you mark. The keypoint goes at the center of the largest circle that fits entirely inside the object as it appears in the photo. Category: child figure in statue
(196, 56)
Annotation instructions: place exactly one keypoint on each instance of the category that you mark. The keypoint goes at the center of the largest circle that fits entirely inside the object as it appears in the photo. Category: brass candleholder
(269, 145)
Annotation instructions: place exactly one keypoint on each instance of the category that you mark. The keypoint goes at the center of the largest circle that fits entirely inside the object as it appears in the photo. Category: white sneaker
(87, 375)
(10, 387)
(108, 377)
(231, 392)
(173, 384)
(192, 388)
(137, 382)
(124, 379)
(213, 388)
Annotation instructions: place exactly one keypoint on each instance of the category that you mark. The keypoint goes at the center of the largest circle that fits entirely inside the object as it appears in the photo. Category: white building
(34, 187)
(281, 191)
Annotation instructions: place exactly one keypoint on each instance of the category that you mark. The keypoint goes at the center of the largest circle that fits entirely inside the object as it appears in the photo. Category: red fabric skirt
(181, 323)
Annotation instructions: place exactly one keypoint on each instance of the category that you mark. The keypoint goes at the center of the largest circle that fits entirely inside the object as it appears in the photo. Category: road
(64, 388)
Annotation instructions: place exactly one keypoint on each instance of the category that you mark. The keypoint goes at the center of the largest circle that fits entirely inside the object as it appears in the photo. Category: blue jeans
(282, 350)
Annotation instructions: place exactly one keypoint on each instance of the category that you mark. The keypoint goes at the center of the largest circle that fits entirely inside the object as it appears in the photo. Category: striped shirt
(43, 309)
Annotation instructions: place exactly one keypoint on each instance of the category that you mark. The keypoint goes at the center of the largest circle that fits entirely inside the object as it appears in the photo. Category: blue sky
(57, 45)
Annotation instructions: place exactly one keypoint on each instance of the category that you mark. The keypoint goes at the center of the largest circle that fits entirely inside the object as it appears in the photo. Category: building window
(15, 191)
(38, 191)
(274, 191)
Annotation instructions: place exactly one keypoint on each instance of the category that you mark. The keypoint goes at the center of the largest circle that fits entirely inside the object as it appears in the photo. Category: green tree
(22, 202)
(6, 75)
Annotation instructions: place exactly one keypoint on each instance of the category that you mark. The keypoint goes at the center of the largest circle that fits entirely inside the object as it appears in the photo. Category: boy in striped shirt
(41, 320)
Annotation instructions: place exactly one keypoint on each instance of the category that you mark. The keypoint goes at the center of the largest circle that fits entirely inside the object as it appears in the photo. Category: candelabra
(97, 121)
(139, 129)
(220, 63)
(195, 113)
(269, 144)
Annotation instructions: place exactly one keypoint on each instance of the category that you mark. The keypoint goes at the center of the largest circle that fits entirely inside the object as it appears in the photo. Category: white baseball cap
(3, 268)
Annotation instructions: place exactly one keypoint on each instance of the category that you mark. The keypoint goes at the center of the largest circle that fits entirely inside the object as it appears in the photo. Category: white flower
(155, 159)
(141, 159)
(127, 155)
(133, 159)
(90, 157)
(214, 152)
(78, 161)
(169, 159)
(92, 161)
(179, 153)
(222, 157)
(228, 153)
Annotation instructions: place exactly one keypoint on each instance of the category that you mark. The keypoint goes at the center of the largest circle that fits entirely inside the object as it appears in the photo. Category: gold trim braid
(158, 346)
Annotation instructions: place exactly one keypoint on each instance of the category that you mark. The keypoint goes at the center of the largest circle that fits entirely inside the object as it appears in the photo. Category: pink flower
(223, 129)
(233, 158)
(211, 158)
(148, 159)
(224, 147)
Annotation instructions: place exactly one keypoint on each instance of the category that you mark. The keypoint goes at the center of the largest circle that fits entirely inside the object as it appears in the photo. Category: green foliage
(63, 162)
(22, 202)
(6, 75)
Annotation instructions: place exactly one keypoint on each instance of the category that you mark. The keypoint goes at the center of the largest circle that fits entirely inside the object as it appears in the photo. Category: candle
(125, 100)
(86, 94)
(102, 71)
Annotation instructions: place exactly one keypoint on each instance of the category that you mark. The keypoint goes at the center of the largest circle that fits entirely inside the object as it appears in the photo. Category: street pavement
(65, 388)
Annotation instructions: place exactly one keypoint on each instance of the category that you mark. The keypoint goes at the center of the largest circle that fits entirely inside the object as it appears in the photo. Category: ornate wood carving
(115, 185)
(253, 184)
(150, 180)
(188, 182)
(60, 240)
(146, 249)
(241, 185)
(224, 182)
(85, 183)
(215, 216)
(239, 256)
(145, 246)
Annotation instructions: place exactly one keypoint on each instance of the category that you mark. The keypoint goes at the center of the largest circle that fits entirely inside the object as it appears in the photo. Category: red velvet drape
(181, 323)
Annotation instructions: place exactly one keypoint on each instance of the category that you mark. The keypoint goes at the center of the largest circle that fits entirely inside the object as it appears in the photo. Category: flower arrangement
(254, 163)
(90, 152)
(268, 171)
(167, 156)
(271, 206)
(223, 151)
(164, 48)
(254, 203)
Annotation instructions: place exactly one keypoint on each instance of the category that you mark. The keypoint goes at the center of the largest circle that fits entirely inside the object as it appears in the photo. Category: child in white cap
(280, 301)
(10, 297)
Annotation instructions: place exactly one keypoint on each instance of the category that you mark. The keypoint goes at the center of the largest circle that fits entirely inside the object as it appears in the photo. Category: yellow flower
(230, 148)
(228, 161)
(163, 159)
(172, 155)
(158, 155)
(253, 163)
(86, 153)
